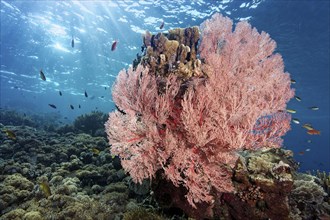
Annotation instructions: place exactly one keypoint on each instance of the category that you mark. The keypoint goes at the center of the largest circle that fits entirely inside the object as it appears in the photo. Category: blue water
(37, 35)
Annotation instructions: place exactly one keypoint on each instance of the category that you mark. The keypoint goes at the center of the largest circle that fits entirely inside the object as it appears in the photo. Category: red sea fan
(246, 81)
(195, 137)
(138, 136)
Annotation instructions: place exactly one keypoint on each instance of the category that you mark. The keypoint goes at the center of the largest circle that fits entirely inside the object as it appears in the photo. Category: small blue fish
(72, 42)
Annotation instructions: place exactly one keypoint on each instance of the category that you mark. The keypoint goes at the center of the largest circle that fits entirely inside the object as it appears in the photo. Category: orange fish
(301, 153)
(314, 132)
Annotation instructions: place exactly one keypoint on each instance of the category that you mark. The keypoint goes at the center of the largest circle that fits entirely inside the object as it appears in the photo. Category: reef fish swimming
(10, 134)
(308, 126)
(298, 98)
(314, 132)
(44, 186)
(162, 25)
(291, 111)
(296, 120)
(52, 105)
(114, 45)
(42, 75)
(95, 151)
(314, 108)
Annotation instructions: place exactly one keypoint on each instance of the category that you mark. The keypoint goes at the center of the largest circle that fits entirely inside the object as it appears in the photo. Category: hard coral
(14, 189)
(142, 214)
(175, 52)
(308, 197)
(90, 123)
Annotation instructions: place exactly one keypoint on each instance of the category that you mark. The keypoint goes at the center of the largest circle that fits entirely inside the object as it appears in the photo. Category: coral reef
(261, 178)
(14, 190)
(172, 52)
(82, 184)
(141, 214)
(68, 172)
(324, 180)
(206, 127)
(308, 198)
(191, 126)
(92, 123)
(267, 186)
(11, 117)
(48, 121)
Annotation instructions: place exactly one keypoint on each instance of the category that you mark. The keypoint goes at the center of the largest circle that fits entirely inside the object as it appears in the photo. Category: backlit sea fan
(194, 137)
